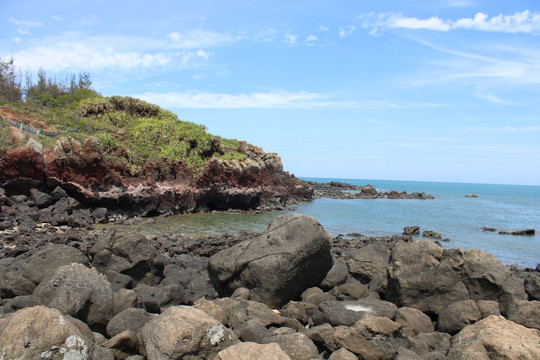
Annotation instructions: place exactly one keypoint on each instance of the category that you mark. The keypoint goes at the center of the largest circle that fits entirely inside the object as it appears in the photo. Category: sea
(457, 218)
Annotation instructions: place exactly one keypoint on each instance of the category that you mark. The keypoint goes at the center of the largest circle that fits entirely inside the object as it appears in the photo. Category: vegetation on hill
(130, 131)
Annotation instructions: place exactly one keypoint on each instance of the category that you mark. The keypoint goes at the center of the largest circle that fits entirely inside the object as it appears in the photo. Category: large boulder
(526, 313)
(78, 291)
(130, 254)
(427, 277)
(46, 260)
(458, 315)
(292, 255)
(495, 338)
(183, 332)
(368, 264)
(43, 333)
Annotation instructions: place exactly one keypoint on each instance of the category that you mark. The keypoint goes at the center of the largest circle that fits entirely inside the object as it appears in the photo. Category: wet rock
(495, 338)
(183, 331)
(77, 291)
(411, 230)
(292, 255)
(431, 234)
(525, 232)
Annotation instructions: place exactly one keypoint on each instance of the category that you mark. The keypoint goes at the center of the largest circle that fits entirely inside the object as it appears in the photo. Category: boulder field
(291, 292)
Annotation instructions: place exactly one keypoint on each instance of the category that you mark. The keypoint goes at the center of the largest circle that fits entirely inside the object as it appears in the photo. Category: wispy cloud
(75, 51)
(491, 65)
(498, 129)
(346, 31)
(267, 100)
(24, 26)
(521, 22)
(290, 38)
(310, 40)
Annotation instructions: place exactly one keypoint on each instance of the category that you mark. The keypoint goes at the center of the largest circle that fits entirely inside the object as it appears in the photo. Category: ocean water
(454, 216)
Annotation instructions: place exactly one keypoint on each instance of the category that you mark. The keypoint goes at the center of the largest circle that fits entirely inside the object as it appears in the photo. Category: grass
(132, 131)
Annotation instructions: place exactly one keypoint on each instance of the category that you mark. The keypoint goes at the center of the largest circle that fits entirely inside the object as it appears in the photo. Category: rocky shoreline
(339, 190)
(292, 292)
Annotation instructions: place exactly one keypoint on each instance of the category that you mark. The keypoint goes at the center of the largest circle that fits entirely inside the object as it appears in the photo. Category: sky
(397, 90)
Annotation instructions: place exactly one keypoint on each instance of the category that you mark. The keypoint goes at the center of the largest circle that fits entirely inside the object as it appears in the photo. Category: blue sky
(399, 90)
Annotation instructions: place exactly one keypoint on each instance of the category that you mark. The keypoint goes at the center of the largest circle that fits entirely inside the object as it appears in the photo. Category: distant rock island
(340, 190)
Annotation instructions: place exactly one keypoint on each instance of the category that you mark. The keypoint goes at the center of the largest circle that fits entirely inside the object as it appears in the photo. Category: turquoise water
(503, 207)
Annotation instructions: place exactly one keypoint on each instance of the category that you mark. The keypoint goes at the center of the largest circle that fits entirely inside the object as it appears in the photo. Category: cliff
(138, 158)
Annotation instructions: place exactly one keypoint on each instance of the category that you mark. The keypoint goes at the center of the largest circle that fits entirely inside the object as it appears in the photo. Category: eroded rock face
(42, 333)
(292, 255)
(183, 332)
(495, 338)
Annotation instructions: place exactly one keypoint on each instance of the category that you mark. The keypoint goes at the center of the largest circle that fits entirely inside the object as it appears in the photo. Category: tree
(10, 83)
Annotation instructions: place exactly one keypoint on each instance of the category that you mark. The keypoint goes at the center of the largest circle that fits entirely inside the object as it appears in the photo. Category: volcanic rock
(292, 255)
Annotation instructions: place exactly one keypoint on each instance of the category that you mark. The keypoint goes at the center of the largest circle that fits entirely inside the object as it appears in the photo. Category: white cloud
(24, 26)
(290, 38)
(75, 52)
(310, 40)
(268, 100)
(345, 32)
(200, 38)
(520, 22)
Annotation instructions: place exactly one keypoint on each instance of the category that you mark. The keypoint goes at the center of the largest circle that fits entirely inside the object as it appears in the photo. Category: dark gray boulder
(46, 260)
(130, 254)
(526, 313)
(130, 319)
(424, 276)
(292, 255)
(77, 291)
(532, 286)
(368, 265)
(458, 315)
(41, 199)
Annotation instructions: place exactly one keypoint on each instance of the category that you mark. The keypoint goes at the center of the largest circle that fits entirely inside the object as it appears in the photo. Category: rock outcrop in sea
(95, 294)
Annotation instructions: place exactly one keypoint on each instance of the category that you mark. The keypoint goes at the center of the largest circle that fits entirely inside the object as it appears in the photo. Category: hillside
(126, 153)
